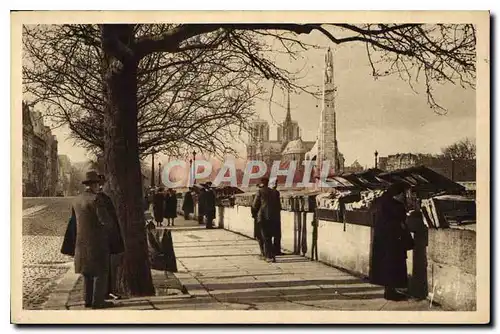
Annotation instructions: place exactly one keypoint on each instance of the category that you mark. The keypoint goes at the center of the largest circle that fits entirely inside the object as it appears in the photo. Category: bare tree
(464, 149)
(440, 52)
(198, 98)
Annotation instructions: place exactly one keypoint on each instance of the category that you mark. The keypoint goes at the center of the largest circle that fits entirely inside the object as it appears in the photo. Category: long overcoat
(188, 203)
(170, 206)
(93, 227)
(158, 206)
(209, 200)
(388, 259)
(115, 236)
(267, 205)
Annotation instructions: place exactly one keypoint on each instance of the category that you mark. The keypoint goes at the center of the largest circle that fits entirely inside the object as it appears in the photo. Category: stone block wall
(442, 266)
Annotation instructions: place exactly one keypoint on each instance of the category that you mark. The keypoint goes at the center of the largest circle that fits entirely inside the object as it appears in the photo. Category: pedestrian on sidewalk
(94, 230)
(257, 233)
(267, 208)
(391, 241)
(201, 205)
(188, 204)
(116, 241)
(158, 206)
(276, 224)
(209, 204)
(170, 206)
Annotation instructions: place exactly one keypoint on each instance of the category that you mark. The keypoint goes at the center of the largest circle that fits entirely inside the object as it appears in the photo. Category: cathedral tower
(327, 138)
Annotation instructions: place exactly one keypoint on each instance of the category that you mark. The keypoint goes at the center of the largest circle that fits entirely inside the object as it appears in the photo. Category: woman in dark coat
(158, 206)
(388, 260)
(170, 207)
(188, 204)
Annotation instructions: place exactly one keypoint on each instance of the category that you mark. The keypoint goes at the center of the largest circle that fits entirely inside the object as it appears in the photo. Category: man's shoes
(103, 305)
(394, 296)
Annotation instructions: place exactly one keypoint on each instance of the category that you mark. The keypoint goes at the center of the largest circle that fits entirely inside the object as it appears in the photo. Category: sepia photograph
(169, 167)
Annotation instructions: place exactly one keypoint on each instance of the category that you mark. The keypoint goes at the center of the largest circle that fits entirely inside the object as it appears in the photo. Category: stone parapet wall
(442, 266)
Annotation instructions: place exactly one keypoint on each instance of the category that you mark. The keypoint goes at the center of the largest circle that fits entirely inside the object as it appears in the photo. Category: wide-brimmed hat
(91, 177)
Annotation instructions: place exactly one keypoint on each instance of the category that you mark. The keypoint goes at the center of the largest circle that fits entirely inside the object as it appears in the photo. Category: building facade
(40, 165)
(287, 146)
(459, 170)
(64, 175)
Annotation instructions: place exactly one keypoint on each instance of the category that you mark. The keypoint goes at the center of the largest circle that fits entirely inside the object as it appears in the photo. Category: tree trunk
(122, 164)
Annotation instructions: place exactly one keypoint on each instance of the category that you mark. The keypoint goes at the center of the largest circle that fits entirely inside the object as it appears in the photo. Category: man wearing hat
(208, 203)
(94, 225)
(267, 208)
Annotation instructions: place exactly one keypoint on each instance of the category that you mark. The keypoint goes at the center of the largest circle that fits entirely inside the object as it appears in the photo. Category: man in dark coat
(94, 225)
(188, 204)
(170, 206)
(267, 208)
(276, 224)
(388, 260)
(209, 204)
(201, 205)
(159, 206)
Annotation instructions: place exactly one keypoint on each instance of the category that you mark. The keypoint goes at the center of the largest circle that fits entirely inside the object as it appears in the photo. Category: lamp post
(190, 169)
(159, 174)
(152, 169)
(376, 160)
(194, 164)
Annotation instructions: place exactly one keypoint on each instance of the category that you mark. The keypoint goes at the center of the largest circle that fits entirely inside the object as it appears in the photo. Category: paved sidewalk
(222, 270)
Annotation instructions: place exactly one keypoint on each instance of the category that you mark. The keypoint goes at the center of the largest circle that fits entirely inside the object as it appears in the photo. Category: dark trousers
(210, 219)
(95, 288)
(266, 239)
(186, 215)
(277, 237)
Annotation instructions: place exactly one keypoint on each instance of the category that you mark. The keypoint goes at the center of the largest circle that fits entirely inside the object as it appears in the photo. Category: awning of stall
(421, 178)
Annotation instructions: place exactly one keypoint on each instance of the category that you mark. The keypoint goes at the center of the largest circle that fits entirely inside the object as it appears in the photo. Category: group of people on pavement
(266, 211)
(165, 206)
(207, 202)
(93, 238)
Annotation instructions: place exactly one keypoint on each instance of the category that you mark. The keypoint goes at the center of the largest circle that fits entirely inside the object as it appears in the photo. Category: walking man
(159, 206)
(188, 204)
(209, 203)
(94, 225)
(201, 205)
(276, 224)
(267, 208)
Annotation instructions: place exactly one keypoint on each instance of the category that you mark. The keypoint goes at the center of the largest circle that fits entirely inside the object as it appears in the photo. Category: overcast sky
(383, 115)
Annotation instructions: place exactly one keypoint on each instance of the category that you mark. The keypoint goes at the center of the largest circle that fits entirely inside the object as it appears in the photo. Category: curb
(58, 298)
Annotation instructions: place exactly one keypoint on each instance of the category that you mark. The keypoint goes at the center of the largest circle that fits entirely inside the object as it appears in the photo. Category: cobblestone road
(44, 223)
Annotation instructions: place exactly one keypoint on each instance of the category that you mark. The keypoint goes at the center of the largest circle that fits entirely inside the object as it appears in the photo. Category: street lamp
(159, 173)
(376, 160)
(194, 164)
(152, 169)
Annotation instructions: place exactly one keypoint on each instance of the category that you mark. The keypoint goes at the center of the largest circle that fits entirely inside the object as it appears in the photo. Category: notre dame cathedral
(289, 144)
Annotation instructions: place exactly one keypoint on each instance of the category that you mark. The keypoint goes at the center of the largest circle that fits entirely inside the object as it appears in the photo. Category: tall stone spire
(327, 139)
